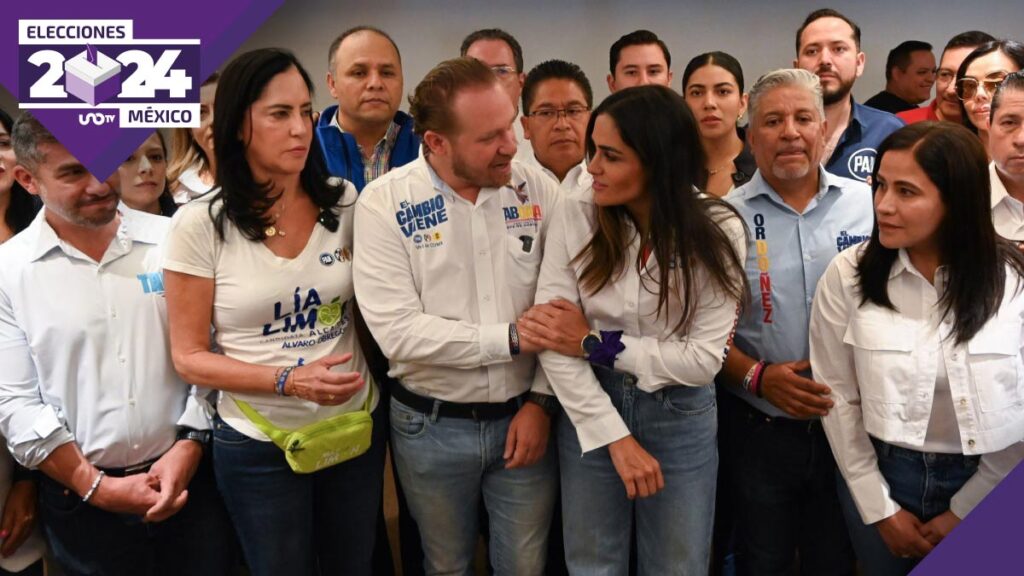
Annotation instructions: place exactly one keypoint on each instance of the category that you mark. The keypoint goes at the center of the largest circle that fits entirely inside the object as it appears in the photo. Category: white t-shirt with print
(271, 310)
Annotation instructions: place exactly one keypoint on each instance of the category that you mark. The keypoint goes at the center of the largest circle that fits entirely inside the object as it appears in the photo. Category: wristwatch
(549, 404)
(590, 343)
(201, 436)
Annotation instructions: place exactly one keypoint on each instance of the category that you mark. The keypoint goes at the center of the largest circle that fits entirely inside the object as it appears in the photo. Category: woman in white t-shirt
(918, 334)
(267, 261)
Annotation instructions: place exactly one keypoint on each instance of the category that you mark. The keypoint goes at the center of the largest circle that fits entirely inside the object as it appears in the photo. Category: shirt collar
(902, 264)
(389, 137)
(826, 184)
(999, 193)
(133, 228)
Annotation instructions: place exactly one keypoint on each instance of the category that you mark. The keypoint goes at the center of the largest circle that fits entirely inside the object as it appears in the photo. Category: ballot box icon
(92, 76)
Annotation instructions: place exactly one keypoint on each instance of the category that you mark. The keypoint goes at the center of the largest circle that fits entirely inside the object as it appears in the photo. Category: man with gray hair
(88, 392)
(799, 216)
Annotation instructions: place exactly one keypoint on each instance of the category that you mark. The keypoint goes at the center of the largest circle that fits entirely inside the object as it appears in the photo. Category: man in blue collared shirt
(828, 44)
(799, 217)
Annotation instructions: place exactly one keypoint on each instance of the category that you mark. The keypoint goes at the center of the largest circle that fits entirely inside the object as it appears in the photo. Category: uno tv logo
(99, 68)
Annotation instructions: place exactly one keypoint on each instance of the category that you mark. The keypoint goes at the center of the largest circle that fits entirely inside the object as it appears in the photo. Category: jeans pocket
(224, 434)
(407, 422)
(688, 400)
(59, 500)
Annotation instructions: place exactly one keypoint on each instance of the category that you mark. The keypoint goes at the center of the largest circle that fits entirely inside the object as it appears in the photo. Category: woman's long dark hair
(975, 257)
(22, 207)
(657, 124)
(1013, 50)
(246, 200)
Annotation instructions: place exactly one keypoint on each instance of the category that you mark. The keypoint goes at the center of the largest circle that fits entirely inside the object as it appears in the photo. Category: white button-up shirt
(84, 347)
(882, 366)
(577, 180)
(1007, 211)
(439, 280)
(655, 353)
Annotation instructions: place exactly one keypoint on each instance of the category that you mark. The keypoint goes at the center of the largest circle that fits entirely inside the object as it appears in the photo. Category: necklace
(273, 230)
(713, 171)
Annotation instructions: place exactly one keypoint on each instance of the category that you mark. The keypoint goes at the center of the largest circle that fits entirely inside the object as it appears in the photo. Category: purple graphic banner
(147, 73)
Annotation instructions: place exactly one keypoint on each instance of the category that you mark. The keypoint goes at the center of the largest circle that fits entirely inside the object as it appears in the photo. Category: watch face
(590, 343)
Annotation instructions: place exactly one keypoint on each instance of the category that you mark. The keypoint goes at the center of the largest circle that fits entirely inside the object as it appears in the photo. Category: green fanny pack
(321, 444)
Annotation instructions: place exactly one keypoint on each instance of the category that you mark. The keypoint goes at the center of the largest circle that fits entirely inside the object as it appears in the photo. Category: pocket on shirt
(883, 347)
(994, 362)
(523, 267)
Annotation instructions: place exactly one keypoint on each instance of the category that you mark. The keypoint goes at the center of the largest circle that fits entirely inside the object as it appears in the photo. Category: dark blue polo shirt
(854, 156)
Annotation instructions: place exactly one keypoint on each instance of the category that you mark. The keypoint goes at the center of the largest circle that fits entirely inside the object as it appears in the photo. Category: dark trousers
(300, 524)
(785, 490)
(85, 540)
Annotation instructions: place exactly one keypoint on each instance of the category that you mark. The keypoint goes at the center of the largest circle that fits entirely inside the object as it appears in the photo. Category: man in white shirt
(557, 99)
(88, 393)
(1006, 145)
(503, 54)
(448, 258)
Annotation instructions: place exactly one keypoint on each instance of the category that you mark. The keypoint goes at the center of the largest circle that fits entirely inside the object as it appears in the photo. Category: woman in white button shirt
(657, 270)
(918, 334)
(267, 260)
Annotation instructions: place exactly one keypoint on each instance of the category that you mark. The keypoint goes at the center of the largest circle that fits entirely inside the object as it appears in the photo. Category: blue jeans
(922, 483)
(678, 426)
(88, 541)
(447, 466)
(300, 524)
(785, 497)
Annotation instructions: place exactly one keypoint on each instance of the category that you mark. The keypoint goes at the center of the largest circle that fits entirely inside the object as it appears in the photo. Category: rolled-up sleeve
(33, 429)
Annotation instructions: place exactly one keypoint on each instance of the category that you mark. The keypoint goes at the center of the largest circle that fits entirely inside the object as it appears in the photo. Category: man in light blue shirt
(799, 217)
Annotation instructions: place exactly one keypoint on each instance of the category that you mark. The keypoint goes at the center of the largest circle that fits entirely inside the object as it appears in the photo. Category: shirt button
(121, 360)
(487, 298)
(963, 401)
(807, 257)
(483, 252)
(136, 447)
(629, 305)
(113, 313)
(970, 443)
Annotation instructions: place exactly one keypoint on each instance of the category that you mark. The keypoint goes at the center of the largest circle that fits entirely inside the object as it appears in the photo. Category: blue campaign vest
(341, 153)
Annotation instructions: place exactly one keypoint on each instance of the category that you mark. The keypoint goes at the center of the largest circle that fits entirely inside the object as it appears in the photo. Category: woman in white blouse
(657, 270)
(918, 334)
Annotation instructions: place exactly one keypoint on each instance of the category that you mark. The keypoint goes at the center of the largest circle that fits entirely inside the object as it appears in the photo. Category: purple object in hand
(609, 348)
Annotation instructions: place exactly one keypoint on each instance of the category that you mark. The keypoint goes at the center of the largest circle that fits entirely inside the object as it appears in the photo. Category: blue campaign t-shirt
(854, 156)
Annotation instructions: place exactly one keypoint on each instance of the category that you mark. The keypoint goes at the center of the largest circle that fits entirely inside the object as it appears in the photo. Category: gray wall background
(759, 34)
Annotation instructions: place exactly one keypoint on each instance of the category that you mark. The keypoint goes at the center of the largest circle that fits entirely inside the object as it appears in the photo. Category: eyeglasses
(967, 88)
(503, 71)
(547, 115)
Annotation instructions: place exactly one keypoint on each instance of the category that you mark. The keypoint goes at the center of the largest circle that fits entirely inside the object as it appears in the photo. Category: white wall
(760, 34)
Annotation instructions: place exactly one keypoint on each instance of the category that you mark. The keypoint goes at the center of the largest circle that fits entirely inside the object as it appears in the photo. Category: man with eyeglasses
(500, 51)
(828, 44)
(946, 105)
(556, 107)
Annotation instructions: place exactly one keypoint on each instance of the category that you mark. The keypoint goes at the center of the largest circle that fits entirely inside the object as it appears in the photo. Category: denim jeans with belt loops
(678, 426)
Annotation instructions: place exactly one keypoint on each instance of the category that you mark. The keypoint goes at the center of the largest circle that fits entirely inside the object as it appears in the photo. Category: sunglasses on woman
(967, 87)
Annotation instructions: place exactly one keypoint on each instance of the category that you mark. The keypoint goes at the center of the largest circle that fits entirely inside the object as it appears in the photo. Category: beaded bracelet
(513, 339)
(282, 380)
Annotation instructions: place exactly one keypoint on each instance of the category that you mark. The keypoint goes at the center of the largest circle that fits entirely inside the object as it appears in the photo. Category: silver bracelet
(95, 485)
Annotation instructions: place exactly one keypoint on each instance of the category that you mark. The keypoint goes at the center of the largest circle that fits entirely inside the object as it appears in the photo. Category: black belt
(783, 422)
(129, 470)
(469, 410)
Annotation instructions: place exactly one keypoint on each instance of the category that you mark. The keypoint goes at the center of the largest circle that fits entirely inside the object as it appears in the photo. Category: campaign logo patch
(845, 240)
(861, 163)
(98, 69)
(421, 216)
